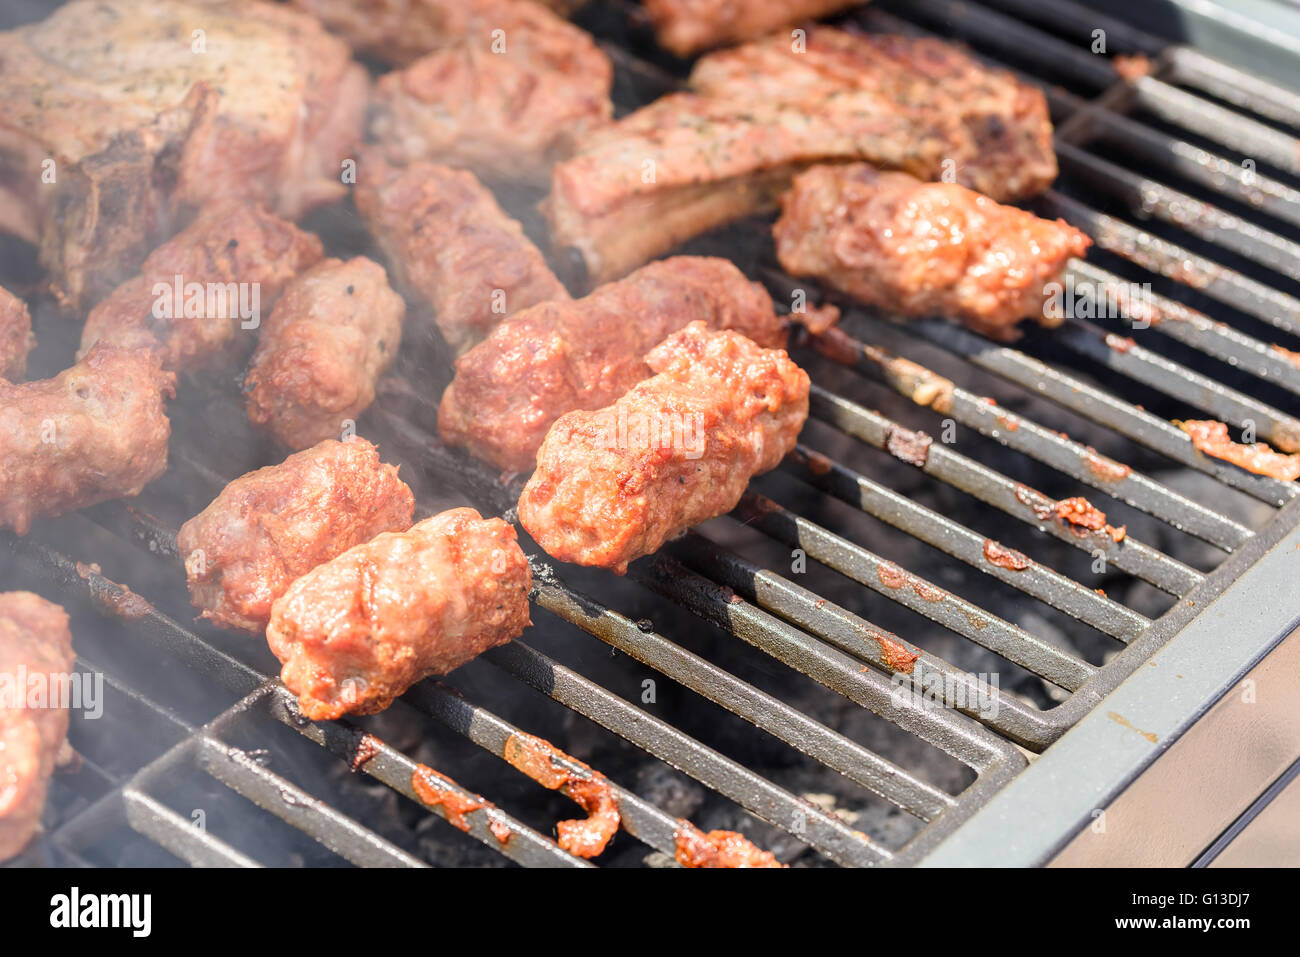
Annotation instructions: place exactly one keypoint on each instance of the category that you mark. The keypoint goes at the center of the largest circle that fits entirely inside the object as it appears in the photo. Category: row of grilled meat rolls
(641, 408)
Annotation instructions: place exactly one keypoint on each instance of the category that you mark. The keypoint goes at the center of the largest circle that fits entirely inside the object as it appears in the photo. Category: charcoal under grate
(200, 756)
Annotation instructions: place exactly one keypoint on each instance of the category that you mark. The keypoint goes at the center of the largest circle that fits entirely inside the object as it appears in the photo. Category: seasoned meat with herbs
(331, 335)
(918, 249)
(200, 296)
(679, 448)
(583, 354)
(35, 641)
(450, 245)
(358, 631)
(761, 113)
(272, 526)
(118, 118)
(96, 431)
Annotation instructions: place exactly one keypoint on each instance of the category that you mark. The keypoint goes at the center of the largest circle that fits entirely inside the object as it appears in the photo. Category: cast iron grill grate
(1153, 170)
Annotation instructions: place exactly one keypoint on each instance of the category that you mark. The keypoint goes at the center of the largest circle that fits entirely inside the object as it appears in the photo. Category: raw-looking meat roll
(674, 451)
(449, 244)
(15, 336)
(585, 353)
(915, 248)
(332, 334)
(34, 639)
(358, 631)
(201, 295)
(270, 527)
(96, 431)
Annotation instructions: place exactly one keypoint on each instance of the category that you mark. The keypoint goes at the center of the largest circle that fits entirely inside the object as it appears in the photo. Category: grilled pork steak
(117, 118)
(762, 112)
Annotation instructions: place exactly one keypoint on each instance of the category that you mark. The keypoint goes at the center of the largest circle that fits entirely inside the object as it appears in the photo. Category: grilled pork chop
(692, 161)
(118, 117)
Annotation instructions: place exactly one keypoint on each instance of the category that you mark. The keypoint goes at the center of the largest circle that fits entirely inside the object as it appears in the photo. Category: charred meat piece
(272, 526)
(97, 431)
(333, 332)
(15, 336)
(674, 451)
(450, 245)
(200, 296)
(692, 161)
(1211, 438)
(148, 109)
(358, 631)
(507, 100)
(584, 354)
(727, 849)
(688, 26)
(34, 639)
(890, 240)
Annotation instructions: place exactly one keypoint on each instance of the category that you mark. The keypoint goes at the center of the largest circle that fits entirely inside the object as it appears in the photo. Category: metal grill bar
(1182, 383)
(756, 794)
(863, 640)
(1048, 586)
(968, 742)
(920, 595)
(1072, 393)
(1175, 262)
(773, 716)
(1016, 499)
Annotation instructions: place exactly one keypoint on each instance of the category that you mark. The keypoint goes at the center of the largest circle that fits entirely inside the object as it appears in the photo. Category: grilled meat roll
(762, 112)
(677, 449)
(583, 354)
(917, 248)
(358, 631)
(200, 295)
(272, 526)
(34, 639)
(96, 431)
(333, 332)
(15, 336)
(450, 245)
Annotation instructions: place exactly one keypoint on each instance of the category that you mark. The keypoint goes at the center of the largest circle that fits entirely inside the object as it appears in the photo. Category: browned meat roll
(677, 449)
(358, 631)
(330, 337)
(34, 639)
(274, 525)
(584, 354)
(96, 431)
(15, 336)
(201, 295)
(890, 240)
(449, 244)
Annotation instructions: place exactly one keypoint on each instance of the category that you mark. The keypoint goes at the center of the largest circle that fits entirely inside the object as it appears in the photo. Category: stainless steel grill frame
(1011, 813)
